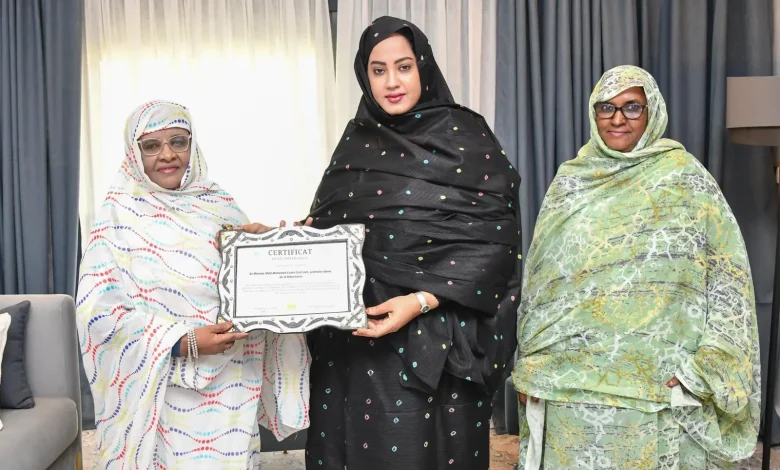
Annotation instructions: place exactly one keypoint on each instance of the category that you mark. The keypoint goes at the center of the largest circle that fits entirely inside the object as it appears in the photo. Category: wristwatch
(424, 307)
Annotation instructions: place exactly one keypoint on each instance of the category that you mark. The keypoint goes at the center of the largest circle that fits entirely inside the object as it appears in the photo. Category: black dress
(439, 201)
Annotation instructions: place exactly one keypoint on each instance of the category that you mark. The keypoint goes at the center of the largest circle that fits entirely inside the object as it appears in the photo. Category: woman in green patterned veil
(637, 339)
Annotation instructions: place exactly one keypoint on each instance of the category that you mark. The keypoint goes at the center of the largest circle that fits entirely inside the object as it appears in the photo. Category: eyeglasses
(152, 147)
(629, 111)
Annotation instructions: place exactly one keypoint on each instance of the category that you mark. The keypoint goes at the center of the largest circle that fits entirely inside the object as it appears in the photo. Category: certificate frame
(350, 318)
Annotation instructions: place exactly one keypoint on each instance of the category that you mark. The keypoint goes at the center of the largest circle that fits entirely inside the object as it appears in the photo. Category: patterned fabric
(586, 437)
(638, 273)
(149, 273)
(364, 416)
(439, 199)
(439, 202)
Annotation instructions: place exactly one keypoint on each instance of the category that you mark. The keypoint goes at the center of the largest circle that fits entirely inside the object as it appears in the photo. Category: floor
(503, 456)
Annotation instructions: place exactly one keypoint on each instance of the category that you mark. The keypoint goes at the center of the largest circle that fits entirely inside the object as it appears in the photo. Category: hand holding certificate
(293, 279)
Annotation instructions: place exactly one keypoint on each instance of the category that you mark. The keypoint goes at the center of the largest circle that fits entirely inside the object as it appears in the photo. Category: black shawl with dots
(438, 198)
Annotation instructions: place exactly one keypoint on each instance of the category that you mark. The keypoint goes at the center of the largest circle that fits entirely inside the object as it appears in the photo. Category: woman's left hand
(400, 311)
(255, 228)
(260, 228)
(675, 382)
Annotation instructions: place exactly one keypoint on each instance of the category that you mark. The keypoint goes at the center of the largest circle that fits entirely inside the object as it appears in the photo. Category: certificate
(293, 280)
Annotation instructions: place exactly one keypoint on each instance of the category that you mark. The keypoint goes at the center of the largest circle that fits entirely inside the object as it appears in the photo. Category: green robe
(638, 273)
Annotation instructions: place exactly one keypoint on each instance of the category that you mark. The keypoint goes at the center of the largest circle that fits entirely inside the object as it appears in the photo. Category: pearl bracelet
(192, 352)
(192, 343)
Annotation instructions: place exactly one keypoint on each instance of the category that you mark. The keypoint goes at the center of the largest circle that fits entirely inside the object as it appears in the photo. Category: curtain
(552, 52)
(461, 32)
(40, 57)
(256, 74)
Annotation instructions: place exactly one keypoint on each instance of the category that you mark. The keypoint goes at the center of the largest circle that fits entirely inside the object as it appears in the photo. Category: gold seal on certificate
(293, 279)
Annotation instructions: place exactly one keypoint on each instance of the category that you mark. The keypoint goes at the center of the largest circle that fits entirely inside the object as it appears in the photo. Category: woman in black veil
(438, 198)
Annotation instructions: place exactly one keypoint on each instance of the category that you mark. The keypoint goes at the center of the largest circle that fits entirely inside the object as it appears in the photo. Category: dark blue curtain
(40, 117)
(40, 103)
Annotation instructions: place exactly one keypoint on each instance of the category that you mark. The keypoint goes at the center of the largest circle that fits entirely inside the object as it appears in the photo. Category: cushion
(14, 391)
(35, 438)
(5, 322)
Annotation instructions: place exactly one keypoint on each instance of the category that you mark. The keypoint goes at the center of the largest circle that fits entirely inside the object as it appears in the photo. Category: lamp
(753, 118)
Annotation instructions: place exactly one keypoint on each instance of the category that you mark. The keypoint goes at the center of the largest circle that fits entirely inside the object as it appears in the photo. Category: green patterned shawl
(638, 273)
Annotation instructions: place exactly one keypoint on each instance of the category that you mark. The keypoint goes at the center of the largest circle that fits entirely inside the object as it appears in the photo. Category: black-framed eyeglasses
(630, 110)
(152, 147)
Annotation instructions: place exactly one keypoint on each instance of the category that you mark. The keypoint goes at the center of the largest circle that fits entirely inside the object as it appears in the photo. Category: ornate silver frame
(353, 318)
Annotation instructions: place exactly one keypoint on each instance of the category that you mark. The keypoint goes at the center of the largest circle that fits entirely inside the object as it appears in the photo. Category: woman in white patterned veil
(172, 389)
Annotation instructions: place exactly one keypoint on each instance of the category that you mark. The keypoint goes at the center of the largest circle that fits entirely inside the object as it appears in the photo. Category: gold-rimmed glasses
(152, 147)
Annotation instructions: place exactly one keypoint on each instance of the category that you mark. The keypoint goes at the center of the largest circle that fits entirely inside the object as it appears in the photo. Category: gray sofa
(47, 436)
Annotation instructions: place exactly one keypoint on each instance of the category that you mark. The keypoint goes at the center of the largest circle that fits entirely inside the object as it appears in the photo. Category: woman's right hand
(213, 339)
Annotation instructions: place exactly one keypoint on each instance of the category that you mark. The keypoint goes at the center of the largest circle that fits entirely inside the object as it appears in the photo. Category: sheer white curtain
(461, 32)
(257, 75)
